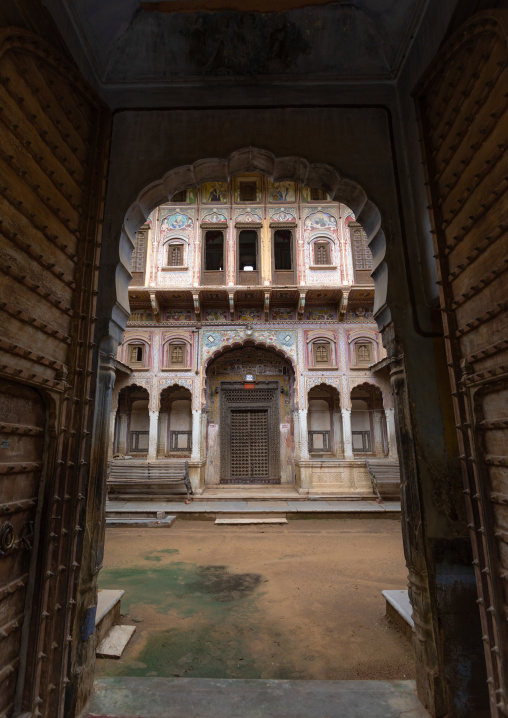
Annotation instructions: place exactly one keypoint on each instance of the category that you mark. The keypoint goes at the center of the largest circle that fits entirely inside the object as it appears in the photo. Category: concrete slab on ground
(254, 519)
(106, 601)
(114, 644)
(237, 698)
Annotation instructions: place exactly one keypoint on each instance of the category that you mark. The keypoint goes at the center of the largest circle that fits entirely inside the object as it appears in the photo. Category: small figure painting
(214, 192)
(282, 192)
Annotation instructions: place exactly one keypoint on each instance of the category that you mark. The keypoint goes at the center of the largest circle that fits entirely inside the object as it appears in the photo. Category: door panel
(21, 452)
(249, 444)
(463, 112)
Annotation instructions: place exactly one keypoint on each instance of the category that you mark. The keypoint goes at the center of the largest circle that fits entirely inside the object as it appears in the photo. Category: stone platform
(157, 513)
(236, 698)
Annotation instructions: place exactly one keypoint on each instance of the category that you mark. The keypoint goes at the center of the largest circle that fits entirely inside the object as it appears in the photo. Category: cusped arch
(254, 344)
(252, 159)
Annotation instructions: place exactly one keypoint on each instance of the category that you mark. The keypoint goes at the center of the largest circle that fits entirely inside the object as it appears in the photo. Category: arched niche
(132, 422)
(368, 421)
(324, 422)
(174, 436)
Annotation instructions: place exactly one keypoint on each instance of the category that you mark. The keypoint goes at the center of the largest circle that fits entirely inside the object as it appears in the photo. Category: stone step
(400, 611)
(237, 698)
(252, 519)
(140, 521)
(108, 611)
(113, 645)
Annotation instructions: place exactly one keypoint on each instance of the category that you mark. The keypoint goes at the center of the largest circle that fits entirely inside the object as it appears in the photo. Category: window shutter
(321, 353)
(175, 255)
(322, 253)
(177, 354)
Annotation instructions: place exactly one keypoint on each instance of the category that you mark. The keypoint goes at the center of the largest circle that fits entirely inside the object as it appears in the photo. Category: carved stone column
(338, 447)
(152, 435)
(111, 442)
(196, 434)
(162, 434)
(123, 443)
(390, 430)
(347, 436)
(378, 433)
(304, 434)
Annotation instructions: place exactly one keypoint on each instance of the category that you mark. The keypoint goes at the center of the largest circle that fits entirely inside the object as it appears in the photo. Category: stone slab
(250, 521)
(152, 522)
(399, 609)
(114, 644)
(237, 698)
(106, 601)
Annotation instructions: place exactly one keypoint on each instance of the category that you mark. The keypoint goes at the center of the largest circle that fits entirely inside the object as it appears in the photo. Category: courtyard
(300, 601)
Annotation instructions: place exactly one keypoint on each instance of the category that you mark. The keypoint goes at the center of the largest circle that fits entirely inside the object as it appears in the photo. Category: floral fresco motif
(317, 314)
(247, 217)
(215, 315)
(283, 217)
(178, 315)
(282, 192)
(281, 314)
(212, 340)
(176, 221)
(320, 220)
(215, 218)
(214, 192)
(249, 314)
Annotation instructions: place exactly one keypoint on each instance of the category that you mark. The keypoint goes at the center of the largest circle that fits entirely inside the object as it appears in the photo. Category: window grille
(318, 195)
(139, 253)
(363, 353)
(321, 353)
(136, 354)
(180, 196)
(362, 256)
(177, 354)
(175, 258)
(322, 253)
(248, 191)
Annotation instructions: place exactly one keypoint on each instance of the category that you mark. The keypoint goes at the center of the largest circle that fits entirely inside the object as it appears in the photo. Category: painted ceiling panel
(129, 42)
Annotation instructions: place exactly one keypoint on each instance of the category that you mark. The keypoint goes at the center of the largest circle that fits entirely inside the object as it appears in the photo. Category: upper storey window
(137, 355)
(248, 270)
(138, 258)
(322, 253)
(318, 195)
(363, 353)
(175, 255)
(248, 191)
(213, 257)
(362, 256)
(180, 196)
(283, 257)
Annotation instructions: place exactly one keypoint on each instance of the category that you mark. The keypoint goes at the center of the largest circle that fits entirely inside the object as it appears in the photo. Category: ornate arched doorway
(249, 417)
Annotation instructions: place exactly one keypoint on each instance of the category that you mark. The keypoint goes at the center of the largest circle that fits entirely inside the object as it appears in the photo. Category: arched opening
(368, 421)
(325, 422)
(132, 428)
(249, 407)
(175, 423)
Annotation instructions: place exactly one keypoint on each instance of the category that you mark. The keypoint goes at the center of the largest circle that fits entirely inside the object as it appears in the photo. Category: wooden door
(249, 445)
(463, 111)
(21, 452)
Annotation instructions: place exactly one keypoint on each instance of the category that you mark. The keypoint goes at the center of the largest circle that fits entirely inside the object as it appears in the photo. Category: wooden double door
(250, 433)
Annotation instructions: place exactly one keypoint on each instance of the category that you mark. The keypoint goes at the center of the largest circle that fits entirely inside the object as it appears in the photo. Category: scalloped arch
(249, 343)
(252, 159)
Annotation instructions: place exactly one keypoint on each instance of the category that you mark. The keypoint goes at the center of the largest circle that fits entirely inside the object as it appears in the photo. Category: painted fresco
(282, 192)
(358, 315)
(316, 314)
(178, 315)
(177, 221)
(282, 314)
(249, 314)
(215, 192)
(215, 315)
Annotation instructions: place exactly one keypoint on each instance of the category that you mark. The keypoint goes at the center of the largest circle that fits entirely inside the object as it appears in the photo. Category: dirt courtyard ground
(297, 601)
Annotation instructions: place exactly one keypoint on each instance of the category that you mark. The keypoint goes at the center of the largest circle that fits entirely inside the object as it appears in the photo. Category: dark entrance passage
(250, 442)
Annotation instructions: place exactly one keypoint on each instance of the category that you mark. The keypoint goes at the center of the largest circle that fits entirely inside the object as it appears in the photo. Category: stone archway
(250, 423)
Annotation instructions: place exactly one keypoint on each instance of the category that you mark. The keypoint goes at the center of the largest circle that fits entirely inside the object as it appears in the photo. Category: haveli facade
(251, 350)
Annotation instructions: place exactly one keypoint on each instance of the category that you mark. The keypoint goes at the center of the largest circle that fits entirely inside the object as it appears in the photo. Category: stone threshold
(237, 698)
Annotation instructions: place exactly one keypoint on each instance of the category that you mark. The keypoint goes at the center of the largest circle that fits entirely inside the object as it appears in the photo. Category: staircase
(385, 475)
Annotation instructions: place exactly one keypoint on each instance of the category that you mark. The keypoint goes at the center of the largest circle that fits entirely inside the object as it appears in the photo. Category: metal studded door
(250, 430)
(21, 448)
(463, 112)
(249, 444)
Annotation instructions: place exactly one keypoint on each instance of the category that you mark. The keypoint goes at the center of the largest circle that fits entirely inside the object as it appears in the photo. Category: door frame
(234, 395)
